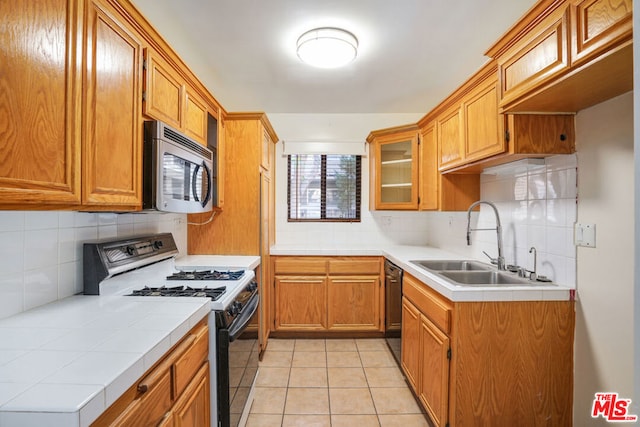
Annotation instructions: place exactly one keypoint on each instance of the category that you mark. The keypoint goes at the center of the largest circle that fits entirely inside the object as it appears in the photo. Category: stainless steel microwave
(177, 171)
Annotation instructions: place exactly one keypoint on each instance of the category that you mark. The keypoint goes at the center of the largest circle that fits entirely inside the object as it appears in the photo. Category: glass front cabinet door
(394, 168)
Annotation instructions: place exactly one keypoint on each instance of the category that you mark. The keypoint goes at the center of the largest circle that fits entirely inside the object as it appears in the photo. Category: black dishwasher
(393, 315)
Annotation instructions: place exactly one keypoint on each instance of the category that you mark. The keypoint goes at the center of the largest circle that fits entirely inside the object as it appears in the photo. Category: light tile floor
(332, 383)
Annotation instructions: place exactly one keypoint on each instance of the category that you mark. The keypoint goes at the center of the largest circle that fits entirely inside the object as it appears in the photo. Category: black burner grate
(180, 291)
(207, 275)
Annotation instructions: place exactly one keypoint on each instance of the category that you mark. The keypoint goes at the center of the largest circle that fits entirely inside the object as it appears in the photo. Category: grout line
(330, 414)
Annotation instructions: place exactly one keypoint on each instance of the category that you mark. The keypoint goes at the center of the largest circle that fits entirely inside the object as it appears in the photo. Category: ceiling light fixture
(327, 47)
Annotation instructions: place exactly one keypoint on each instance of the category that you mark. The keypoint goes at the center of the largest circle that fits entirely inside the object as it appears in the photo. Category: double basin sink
(473, 273)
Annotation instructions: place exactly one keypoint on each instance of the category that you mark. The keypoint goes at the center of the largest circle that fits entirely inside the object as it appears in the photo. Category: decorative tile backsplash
(41, 251)
(537, 204)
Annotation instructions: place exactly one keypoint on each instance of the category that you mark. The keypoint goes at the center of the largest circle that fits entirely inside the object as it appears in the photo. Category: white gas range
(146, 266)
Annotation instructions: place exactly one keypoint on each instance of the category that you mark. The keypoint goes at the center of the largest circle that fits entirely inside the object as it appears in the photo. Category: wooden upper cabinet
(266, 150)
(599, 25)
(540, 56)
(540, 134)
(167, 97)
(428, 168)
(470, 127)
(566, 55)
(483, 126)
(112, 143)
(195, 116)
(163, 91)
(40, 104)
(450, 138)
(394, 165)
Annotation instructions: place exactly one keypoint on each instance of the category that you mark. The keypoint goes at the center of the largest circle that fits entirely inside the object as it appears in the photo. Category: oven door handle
(241, 322)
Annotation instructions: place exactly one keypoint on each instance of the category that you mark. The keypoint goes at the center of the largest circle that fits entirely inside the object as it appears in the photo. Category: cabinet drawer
(300, 265)
(354, 266)
(187, 364)
(152, 405)
(429, 302)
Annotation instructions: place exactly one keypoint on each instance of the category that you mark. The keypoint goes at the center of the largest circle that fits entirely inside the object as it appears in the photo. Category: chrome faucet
(500, 262)
(533, 275)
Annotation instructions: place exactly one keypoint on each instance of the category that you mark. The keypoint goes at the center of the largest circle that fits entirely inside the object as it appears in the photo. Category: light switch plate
(584, 235)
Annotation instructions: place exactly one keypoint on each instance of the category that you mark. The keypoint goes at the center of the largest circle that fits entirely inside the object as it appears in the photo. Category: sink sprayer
(500, 262)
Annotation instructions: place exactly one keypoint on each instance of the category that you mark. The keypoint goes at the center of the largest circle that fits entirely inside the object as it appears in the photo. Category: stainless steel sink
(451, 265)
(474, 273)
(485, 278)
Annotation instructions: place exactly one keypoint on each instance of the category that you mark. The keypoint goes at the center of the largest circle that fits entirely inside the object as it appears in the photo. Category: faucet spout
(500, 260)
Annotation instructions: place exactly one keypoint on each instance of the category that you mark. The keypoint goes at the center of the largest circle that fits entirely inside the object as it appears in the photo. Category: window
(324, 187)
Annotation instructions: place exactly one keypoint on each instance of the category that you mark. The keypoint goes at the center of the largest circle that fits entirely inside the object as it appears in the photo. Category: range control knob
(232, 310)
(252, 286)
(130, 250)
(238, 306)
(158, 244)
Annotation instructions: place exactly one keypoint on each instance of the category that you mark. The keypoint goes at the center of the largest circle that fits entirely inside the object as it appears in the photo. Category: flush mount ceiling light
(327, 47)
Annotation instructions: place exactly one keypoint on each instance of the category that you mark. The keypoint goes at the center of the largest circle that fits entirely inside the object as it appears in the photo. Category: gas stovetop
(124, 267)
(180, 291)
(207, 275)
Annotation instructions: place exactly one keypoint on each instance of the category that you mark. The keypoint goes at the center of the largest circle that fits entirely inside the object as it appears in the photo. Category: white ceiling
(412, 53)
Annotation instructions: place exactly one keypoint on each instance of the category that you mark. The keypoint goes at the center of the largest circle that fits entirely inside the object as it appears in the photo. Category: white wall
(376, 227)
(604, 349)
(41, 251)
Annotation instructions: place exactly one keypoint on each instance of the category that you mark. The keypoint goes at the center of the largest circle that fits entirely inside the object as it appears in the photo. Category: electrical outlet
(386, 221)
(584, 235)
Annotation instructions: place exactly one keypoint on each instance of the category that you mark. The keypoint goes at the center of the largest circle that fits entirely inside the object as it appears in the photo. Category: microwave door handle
(194, 180)
(207, 196)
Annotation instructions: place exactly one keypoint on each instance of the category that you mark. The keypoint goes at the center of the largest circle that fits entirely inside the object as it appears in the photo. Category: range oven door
(237, 365)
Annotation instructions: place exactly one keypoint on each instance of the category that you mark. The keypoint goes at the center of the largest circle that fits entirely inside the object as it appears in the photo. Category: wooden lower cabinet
(410, 351)
(174, 393)
(328, 294)
(353, 303)
(488, 363)
(192, 409)
(434, 371)
(300, 303)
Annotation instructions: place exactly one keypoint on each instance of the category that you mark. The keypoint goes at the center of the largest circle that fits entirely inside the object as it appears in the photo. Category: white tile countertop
(401, 255)
(225, 262)
(64, 363)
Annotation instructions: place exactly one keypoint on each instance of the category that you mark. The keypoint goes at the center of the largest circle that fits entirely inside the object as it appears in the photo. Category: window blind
(324, 187)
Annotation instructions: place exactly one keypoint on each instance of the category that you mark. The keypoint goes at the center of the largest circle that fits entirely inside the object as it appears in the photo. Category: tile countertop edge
(87, 408)
(227, 262)
(401, 255)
